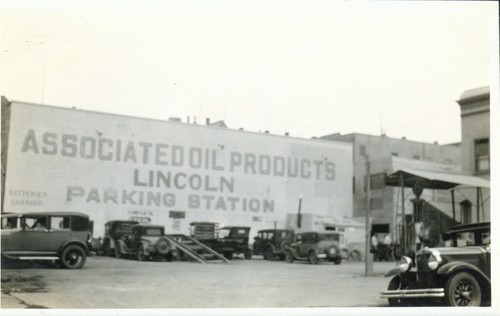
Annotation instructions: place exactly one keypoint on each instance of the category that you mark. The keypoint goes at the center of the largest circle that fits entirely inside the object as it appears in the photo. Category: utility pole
(368, 254)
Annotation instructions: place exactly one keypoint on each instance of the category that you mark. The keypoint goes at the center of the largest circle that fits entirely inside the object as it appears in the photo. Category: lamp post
(368, 254)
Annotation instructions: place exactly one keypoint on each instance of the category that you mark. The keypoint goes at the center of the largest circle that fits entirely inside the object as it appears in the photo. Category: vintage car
(457, 275)
(114, 230)
(145, 242)
(315, 246)
(55, 236)
(271, 243)
(231, 240)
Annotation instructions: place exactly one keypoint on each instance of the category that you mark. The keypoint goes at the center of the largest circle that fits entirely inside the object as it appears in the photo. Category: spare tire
(162, 246)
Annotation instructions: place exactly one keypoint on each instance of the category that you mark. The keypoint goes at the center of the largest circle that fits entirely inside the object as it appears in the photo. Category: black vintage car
(114, 230)
(145, 242)
(271, 243)
(456, 275)
(231, 240)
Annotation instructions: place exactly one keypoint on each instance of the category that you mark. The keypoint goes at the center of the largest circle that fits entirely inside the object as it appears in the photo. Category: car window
(59, 222)
(153, 231)
(35, 223)
(332, 237)
(485, 238)
(11, 223)
(465, 239)
(79, 223)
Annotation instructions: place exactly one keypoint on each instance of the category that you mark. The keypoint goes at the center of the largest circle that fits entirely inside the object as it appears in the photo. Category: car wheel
(118, 250)
(394, 285)
(73, 257)
(337, 260)
(228, 255)
(313, 258)
(462, 289)
(289, 257)
(141, 256)
(355, 255)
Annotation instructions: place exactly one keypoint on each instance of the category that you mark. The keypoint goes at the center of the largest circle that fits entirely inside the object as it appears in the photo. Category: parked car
(457, 275)
(145, 242)
(271, 243)
(231, 240)
(114, 230)
(55, 236)
(315, 246)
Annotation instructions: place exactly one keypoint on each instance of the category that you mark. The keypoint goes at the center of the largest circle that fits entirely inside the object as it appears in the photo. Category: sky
(309, 68)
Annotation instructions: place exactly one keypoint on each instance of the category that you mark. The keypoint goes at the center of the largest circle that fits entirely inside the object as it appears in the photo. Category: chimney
(208, 121)
(287, 134)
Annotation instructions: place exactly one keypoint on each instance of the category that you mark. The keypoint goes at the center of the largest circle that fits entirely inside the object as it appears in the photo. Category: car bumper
(414, 293)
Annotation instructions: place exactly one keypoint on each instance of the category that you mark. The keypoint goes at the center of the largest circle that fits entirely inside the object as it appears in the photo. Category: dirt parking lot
(121, 283)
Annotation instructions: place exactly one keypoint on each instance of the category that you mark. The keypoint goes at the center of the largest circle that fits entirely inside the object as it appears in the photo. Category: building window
(395, 154)
(353, 184)
(417, 157)
(362, 150)
(482, 154)
(377, 181)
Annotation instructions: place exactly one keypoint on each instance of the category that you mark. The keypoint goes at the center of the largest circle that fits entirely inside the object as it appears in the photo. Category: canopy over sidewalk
(434, 180)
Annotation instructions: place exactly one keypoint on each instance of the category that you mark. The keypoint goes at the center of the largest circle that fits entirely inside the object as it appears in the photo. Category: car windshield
(465, 239)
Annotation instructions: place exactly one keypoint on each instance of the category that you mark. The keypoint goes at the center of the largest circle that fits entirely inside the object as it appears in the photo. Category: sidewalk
(8, 301)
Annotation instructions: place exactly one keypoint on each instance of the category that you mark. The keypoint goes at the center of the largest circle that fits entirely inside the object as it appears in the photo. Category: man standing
(375, 247)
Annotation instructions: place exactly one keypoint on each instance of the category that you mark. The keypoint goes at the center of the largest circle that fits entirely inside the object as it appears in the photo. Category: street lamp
(368, 255)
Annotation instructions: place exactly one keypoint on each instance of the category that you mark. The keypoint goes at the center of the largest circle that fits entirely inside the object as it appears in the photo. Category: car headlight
(404, 264)
(434, 260)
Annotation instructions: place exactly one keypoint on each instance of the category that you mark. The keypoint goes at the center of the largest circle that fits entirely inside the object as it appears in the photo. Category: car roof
(323, 232)
(275, 230)
(47, 214)
(228, 227)
(469, 227)
(121, 221)
(149, 226)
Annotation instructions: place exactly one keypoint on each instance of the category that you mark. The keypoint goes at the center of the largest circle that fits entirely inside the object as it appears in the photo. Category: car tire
(118, 250)
(141, 256)
(289, 257)
(313, 258)
(462, 289)
(73, 257)
(394, 285)
(228, 255)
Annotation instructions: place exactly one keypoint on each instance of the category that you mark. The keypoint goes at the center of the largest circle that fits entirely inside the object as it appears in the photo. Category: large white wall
(117, 167)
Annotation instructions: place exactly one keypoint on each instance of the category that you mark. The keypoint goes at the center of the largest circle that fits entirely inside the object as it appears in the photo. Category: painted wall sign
(117, 167)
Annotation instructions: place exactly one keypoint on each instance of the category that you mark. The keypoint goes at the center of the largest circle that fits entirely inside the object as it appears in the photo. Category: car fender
(456, 266)
(146, 246)
(292, 251)
(391, 272)
(74, 242)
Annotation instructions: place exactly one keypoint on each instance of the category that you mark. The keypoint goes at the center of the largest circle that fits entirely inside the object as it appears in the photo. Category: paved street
(121, 283)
